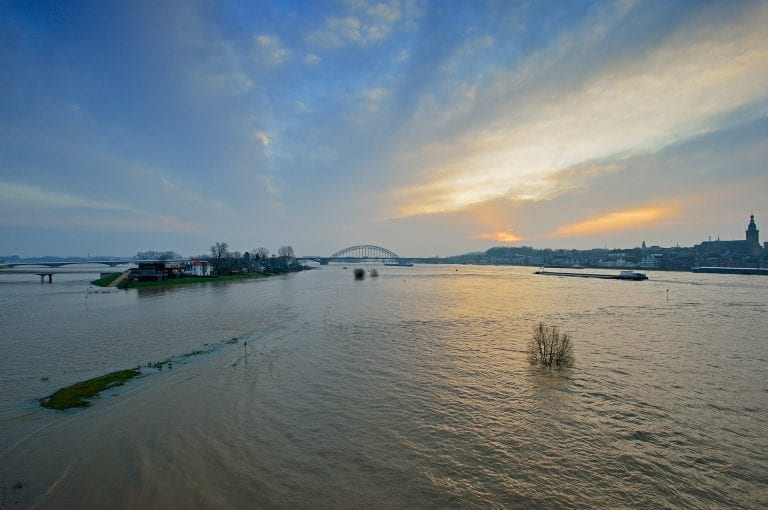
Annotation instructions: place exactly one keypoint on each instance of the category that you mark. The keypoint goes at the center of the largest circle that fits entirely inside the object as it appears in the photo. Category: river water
(410, 390)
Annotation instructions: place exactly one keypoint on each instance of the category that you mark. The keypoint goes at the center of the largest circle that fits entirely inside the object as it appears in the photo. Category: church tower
(753, 235)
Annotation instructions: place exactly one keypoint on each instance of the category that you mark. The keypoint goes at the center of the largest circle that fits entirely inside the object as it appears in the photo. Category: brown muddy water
(410, 390)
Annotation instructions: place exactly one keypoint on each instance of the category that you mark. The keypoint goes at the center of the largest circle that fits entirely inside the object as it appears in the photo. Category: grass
(194, 279)
(75, 395)
(104, 282)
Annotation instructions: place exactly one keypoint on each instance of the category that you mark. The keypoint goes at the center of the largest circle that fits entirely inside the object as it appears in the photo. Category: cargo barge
(730, 270)
(624, 275)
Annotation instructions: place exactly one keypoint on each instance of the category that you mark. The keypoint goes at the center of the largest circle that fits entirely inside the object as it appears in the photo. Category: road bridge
(360, 253)
(110, 263)
(48, 269)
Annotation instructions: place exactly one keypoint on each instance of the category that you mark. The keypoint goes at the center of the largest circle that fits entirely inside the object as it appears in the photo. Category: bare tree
(284, 258)
(157, 255)
(548, 347)
(261, 253)
(218, 251)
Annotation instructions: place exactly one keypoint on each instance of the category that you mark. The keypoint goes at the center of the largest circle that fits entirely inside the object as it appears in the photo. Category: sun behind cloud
(503, 236)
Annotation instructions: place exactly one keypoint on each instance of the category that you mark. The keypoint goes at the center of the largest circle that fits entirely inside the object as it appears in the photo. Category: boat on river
(632, 275)
(624, 275)
(730, 270)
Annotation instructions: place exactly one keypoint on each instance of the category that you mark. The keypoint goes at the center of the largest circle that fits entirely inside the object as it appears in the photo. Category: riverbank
(132, 284)
(193, 279)
(106, 281)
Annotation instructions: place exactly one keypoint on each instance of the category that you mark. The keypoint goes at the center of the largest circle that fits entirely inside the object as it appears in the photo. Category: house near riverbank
(197, 267)
(159, 271)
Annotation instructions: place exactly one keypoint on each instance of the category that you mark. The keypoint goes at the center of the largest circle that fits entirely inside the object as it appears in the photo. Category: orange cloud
(504, 236)
(619, 220)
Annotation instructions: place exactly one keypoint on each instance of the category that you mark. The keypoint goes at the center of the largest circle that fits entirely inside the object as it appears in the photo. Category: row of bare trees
(257, 259)
(157, 255)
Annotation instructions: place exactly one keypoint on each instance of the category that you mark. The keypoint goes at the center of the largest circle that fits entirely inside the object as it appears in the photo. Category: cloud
(23, 205)
(301, 107)
(269, 50)
(403, 56)
(620, 220)
(261, 137)
(177, 195)
(505, 236)
(373, 98)
(531, 125)
(24, 196)
(312, 59)
(230, 82)
(467, 52)
(202, 55)
(365, 23)
(269, 184)
(382, 17)
(337, 32)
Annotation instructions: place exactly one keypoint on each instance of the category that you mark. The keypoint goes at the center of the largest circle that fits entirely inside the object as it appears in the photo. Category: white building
(197, 267)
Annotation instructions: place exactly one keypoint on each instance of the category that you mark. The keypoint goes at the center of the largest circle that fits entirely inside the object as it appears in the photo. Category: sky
(428, 128)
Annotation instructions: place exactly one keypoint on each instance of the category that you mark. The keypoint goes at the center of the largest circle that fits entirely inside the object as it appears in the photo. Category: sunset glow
(619, 220)
(506, 236)
(424, 126)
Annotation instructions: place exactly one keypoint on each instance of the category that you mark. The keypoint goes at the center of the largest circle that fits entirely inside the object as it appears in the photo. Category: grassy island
(193, 279)
(74, 395)
(133, 284)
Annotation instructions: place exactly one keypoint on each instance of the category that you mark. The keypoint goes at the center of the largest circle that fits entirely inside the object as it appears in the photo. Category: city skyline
(430, 128)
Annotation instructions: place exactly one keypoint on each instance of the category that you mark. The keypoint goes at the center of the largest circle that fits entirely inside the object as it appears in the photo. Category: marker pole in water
(667, 294)
(245, 350)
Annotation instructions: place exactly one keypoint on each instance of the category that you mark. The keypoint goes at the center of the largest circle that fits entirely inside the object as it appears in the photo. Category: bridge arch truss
(366, 251)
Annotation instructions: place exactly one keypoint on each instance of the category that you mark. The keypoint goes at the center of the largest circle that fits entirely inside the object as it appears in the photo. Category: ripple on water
(414, 391)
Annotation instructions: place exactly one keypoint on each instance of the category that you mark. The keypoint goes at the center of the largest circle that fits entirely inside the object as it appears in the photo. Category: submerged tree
(548, 347)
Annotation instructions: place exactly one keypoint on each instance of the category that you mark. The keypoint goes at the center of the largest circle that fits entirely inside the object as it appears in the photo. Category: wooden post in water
(245, 350)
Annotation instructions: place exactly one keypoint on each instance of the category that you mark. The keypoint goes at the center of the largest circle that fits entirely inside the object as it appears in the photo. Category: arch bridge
(365, 251)
(360, 253)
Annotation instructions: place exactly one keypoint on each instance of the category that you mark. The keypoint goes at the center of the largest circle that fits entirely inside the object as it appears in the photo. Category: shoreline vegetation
(163, 269)
(132, 284)
(106, 280)
(192, 280)
(75, 395)
(81, 393)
